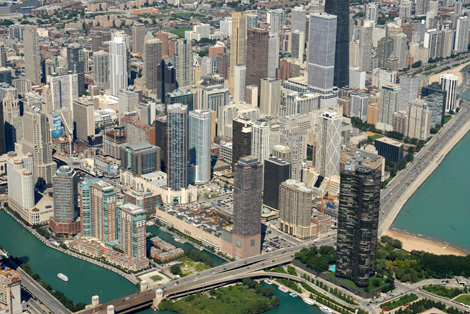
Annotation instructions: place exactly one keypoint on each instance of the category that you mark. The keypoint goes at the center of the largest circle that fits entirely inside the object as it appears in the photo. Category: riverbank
(129, 277)
(424, 175)
(414, 242)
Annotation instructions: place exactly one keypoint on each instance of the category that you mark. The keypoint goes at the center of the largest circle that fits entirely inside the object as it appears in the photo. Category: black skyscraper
(340, 8)
(166, 79)
(276, 171)
(241, 137)
(358, 220)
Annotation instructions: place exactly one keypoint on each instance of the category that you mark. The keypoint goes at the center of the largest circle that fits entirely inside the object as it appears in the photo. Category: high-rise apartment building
(177, 129)
(131, 231)
(84, 118)
(237, 45)
(432, 41)
(247, 202)
(299, 20)
(76, 63)
(239, 84)
(365, 48)
(152, 62)
(419, 120)
(371, 12)
(389, 104)
(276, 19)
(384, 50)
(321, 51)
(328, 144)
(31, 55)
(400, 48)
(297, 45)
(359, 105)
(65, 196)
(64, 90)
(295, 209)
(436, 102)
(256, 56)
(408, 90)
(138, 37)
(161, 139)
(260, 132)
(251, 21)
(101, 69)
(118, 56)
(449, 83)
(37, 141)
(461, 34)
(340, 8)
(200, 144)
(183, 63)
(276, 171)
(140, 158)
(358, 220)
(273, 55)
(20, 172)
(87, 209)
(104, 215)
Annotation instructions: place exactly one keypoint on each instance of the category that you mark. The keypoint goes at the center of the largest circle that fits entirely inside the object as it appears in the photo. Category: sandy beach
(456, 71)
(411, 243)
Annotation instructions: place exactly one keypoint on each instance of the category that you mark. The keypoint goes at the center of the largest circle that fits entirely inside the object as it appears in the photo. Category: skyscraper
(10, 115)
(256, 60)
(200, 144)
(247, 201)
(277, 20)
(297, 45)
(239, 84)
(419, 120)
(449, 83)
(384, 50)
(101, 69)
(76, 63)
(131, 230)
(84, 118)
(138, 35)
(340, 8)
(177, 146)
(166, 79)
(65, 202)
(273, 55)
(152, 62)
(276, 171)
(389, 104)
(237, 45)
(408, 90)
(104, 211)
(270, 96)
(140, 158)
(359, 206)
(461, 34)
(298, 20)
(118, 55)
(183, 62)
(295, 209)
(260, 131)
(37, 141)
(64, 90)
(161, 139)
(328, 144)
(86, 210)
(241, 136)
(31, 55)
(20, 172)
(400, 48)
(321, 51)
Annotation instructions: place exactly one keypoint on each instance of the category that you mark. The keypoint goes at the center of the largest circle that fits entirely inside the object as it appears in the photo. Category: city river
(87, 279)
(439, 209)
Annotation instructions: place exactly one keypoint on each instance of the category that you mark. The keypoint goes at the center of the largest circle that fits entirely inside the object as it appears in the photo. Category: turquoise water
(440, 208)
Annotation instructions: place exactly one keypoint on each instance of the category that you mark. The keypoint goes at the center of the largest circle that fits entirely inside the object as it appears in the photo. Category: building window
(252, 242)
(239, 243)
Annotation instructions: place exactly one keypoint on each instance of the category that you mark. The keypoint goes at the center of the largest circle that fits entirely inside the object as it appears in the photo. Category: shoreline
(418, 242)
(457, 71)
(388, 222)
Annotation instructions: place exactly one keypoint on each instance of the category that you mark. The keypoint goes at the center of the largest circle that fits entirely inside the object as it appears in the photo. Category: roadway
(430, 154)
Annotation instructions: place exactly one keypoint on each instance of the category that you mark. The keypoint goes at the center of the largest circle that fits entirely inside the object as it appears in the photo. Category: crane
(329, 195)
(70, 132)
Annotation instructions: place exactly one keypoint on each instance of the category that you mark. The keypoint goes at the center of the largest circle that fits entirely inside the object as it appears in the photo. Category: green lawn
(156, 278)
(447, 119)
(229, 300)
(376, 136)
(189, 267)
(352, 284)
(179, 31)
(464, 298)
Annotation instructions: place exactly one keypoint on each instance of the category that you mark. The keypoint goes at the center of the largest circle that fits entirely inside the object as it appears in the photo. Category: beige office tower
(37, 141)
(251, 95)
(238, 45)
(152, 60)
(295, 209)
(270, 97)
(31, 55)
(84, 118)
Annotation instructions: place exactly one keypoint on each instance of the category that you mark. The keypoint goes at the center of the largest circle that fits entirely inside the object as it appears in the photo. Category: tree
(417, 64)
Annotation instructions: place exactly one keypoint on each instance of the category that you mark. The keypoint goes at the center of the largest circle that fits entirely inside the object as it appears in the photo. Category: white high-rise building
(371, 12)
(273, 55)
(389, 100)
(260, 140)
(408, 90)
(226, 26)
(20, 171)
(276, 19)
(328, 144)
(183, 62)
(64, 90)
(365, 48)
(239, 84)
(118, 55)
(270, 96)
(461, 34)
(31, 54)
(449, 83)
(432, 41)
(358, 105)
(298, 45)
(400, 48)
(200, 144)
(419, 120)
(298, 20)
(293, 138)
(321, 51)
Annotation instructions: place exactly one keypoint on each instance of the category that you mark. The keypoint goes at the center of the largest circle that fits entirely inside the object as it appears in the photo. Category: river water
(440, 209)
(87, 279)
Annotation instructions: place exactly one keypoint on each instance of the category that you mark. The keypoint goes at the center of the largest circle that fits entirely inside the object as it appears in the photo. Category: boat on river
(268, 282)
(283, 289)
(63, 277)
(308, 301)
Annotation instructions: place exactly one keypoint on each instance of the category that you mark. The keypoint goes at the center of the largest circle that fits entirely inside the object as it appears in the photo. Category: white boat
(308, 301)
(326, 310)
(294, 295)
(268, 282)
(283, 289)
(62, 277)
